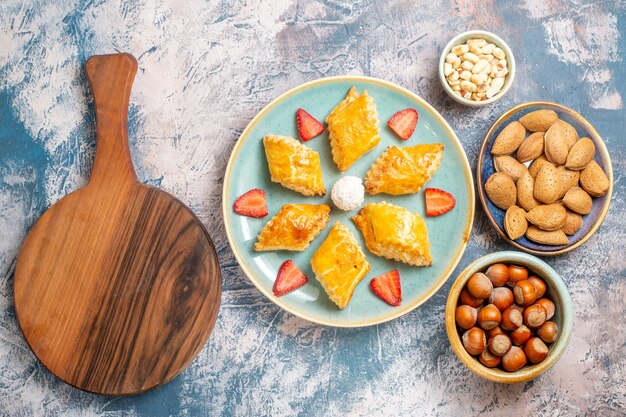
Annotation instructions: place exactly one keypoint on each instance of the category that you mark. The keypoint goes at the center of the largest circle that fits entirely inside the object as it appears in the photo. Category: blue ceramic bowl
(485, 169)
(563, 316)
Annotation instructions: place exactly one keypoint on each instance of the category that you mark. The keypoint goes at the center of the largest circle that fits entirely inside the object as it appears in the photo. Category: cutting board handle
(111, 79)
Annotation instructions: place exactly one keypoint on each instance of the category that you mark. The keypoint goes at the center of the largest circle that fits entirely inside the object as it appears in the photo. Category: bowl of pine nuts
(476, 68)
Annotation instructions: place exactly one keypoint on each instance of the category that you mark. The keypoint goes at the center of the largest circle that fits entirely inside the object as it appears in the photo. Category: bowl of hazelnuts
(509, 317)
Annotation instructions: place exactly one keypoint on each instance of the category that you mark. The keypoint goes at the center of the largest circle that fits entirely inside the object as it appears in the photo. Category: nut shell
(547, 216)
(537, 164)
(515, 223)
(509, 166)
(558, 140)
(555, 237)
(594, 180)
(509, 139)
(514, 359)
(573, 223)
(577, 200)
(547, 184)
(525, 188)
(581, 154)
(501, 190)
(531, 147)
(568, 178)
(539, 120)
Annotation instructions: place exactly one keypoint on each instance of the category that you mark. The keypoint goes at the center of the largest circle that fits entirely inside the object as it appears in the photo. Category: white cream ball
(348, 193)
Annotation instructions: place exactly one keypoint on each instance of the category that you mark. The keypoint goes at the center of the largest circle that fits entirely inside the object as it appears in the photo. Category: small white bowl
(489, 37)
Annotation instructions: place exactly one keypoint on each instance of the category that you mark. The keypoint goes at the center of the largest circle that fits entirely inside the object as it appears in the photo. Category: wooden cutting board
(117, 286)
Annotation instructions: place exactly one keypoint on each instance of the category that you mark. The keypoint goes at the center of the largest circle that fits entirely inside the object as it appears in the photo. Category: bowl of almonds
(476, 68)
(544, 178)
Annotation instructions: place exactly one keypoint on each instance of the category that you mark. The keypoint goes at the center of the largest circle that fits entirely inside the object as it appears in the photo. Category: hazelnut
(467, 299)
(479, 285)
(474, 341)
(540, 285)
(548, 332)
(520, 335)
(498, 274)
(514, 359)
(534, 316)
(511, 319)
(494, 332)
(502, 298)
(489, 317)
(525, 293)
(517, 274)
(465, 316)
(535, 350)
(548, 305)
(499, 345)
(489, 359)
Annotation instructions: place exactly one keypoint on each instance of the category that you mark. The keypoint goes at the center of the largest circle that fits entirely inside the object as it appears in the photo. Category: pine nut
(479, 66)
(468, 86)
(471, 57)
(487, 49)
(498, 53)
(466, 65)
(460, 49)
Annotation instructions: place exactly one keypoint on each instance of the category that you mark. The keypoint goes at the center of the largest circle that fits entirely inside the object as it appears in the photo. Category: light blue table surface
(205, 69)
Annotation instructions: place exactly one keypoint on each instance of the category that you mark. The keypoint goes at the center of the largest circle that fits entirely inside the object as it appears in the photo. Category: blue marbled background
(206, 68)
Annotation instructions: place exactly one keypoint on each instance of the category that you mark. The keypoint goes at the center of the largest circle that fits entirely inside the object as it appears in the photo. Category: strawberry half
(252, 204)
(387, 287)
(403, 123)
(288, 279)
(438, 201)
(308, 125)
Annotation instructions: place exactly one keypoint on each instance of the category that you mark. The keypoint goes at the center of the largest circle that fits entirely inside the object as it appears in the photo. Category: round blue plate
(485, 169)
(247, 169)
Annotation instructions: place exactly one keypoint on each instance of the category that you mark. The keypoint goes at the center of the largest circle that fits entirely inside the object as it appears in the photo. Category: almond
(531, 148)
(547, 184)
(594, 180)
(581, 153)
(548, 216)
(525, 197)
(509, 139)
(555, 143)
(573, 223)
(500, 189)
(515, 223)
(555, 237)
(578, 201)
(536, 165)
(568, 178)
(539, 120)
(509, 166)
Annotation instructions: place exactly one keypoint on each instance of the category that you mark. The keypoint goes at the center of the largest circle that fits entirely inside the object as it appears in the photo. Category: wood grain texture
(117, 285)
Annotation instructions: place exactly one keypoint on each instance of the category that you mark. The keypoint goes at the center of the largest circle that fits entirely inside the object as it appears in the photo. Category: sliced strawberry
(438, 201)
(403, 123)
(308, 125)
(288, 279)
(252, 204)
(387, 287)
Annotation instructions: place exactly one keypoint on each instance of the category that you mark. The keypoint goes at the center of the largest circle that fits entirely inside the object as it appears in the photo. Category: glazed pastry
(353, 128)
(394, 233)
(339, 264)
(294, 165)
(403, 170)
(293, 228)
